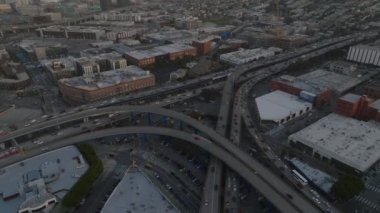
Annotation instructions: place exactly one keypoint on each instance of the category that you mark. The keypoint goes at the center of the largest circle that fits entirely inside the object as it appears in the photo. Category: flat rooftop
(143, 54)
(350, 141)
(247, 53)
(107, 78)
(67, 64)
(71, 29)
(350, 97)
(169, 35)
(376, 105)
(321, 80)
(136, 193)
(62, 160)
(277, 105)
(173, 48)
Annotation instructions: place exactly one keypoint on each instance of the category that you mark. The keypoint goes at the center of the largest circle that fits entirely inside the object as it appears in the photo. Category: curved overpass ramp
(271, 186)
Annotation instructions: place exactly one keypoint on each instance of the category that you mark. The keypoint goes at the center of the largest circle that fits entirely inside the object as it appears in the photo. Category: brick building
(80, 90)
(360, 107)
(177, 51)
(143, 58)
(203, 46)
(171, 52)
(319, 83)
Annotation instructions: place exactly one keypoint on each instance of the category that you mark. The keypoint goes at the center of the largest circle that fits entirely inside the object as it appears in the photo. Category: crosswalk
(368, 203)
(373, 188)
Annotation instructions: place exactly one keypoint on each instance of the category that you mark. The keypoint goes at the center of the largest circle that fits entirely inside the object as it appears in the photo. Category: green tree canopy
(347, 187)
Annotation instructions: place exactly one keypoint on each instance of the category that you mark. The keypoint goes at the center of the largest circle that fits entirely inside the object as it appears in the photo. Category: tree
(347, 187)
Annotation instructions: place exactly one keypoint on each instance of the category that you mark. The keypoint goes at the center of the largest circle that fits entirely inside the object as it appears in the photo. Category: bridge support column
(85, 119)
(133, 120)
(144, 138)
(181, 125)
(149, 119)
(14, 143)
(165, 120)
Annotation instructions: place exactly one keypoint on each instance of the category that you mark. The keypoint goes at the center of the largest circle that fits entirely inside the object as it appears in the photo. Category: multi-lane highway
(283, 196)
(278, 64)
(268, 184)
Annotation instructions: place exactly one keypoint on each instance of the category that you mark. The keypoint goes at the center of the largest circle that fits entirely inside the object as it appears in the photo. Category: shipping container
(307, 96)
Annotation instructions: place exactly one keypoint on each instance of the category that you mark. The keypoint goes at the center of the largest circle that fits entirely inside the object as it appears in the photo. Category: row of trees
(83, 186)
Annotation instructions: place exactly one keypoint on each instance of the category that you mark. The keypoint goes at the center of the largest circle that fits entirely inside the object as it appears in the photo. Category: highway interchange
(283, 196)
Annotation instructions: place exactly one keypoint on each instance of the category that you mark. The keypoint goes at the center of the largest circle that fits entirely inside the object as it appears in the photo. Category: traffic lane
(176, 189)
(211, 192)
(183, 161)
(278, 199)
(218, 139)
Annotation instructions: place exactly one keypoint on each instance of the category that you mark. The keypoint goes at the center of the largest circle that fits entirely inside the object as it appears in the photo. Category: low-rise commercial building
(345, 142)
(39, 182)
(84, 89)
(60, 68)
(364, 54)
(317, 87)
(245, 56)
(280, 107)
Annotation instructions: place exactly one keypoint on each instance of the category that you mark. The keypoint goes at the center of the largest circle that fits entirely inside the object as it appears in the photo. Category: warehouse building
(316, 87)
(245, 56)
(280, 107)
(342, 141)
(364, 54)
(84, 89)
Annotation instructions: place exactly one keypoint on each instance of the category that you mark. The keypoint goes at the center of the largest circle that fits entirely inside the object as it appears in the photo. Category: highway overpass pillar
(14, 143)
(133, 118)
(181, 125)
(149, 119)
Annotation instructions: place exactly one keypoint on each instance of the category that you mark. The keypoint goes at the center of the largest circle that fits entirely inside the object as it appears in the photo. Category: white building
(340, 140)
(245, 55)
(280, 107)
(364, 54)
